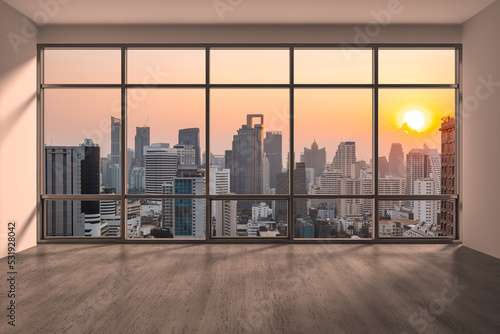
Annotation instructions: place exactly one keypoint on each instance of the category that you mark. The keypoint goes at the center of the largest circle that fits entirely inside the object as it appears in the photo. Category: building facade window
(227, 142)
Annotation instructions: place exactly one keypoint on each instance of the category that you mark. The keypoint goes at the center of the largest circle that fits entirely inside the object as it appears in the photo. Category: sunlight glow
(415, 119)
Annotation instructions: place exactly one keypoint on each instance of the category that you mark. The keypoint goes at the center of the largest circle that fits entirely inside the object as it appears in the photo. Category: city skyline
(250, 139)
(345, 112)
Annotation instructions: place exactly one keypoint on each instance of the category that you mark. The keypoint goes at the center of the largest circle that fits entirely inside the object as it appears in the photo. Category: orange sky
(327, 115)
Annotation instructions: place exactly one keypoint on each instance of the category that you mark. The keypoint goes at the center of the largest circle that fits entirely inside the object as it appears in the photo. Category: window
(231, 142)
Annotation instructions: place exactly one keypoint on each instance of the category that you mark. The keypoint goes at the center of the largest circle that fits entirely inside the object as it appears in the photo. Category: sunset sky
(328, 116)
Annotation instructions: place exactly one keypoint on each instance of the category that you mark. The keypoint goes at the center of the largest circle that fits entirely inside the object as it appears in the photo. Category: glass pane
(428, 218)
(250, 128)
(82, 140)
(75, 66)
(85, 219)
(333, 135)
(245, 218)
(417, 66)
(166, 131)
(417, 141)
(333, 218)
(166, 66)
(170, 218)
(247, 66)
(333, 66)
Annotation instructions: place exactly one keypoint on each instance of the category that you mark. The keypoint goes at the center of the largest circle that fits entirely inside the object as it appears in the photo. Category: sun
(415, 119)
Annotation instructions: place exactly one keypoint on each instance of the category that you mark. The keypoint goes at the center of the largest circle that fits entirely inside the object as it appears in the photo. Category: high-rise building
(390, 186)
(359, 169)
(420, 164)
(247, 161)
(142, 139)
(167, 208)
(225, 218)
(354, 206)
(185, 218)
(282, 182)
(300, 187)
(310, 179)
(426, 210)
(186, 155)
(260, 211)
(447, 175)
(345, 157)
(191, 137)
(73, 170)
(219, 181)
(189, 214)
(160, 166)
(115, 141)
(273, 152)
(315, 158)
(223, 211)
(114, 178)
(105, 163)
(265, 176)
(137, 180)
(383, 167)
(303, 228)
(228, 159)
(218, 160)
(397, 160)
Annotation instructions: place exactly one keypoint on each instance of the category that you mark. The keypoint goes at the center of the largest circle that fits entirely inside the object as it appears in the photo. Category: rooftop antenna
(147, 119)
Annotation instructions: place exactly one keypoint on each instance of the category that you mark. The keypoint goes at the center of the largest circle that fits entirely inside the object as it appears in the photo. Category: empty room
(249, 166)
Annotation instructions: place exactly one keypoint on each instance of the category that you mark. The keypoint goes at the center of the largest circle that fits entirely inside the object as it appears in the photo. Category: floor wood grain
(175, 289)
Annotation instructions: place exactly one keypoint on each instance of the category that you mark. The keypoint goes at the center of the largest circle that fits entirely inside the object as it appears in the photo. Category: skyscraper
(225, 218)
(315, 158)
(426, 210)
(396, 160)
(282, 187)
(390, 186)
(247, 160)
(160, 166)
(189, 214)
(186, 155)
(223, 211)
(115, 141)
(300, 187)
(219, 181)
(191, 136)
(345, 157)
(421, 164)
(228, 159)
(447, 174)
(273, 152)
(137, 178)
(142, 139)
(73, 170)
(383, 166)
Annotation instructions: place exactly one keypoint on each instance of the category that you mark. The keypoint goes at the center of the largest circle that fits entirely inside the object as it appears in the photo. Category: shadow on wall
(8, 122)
(27, 224)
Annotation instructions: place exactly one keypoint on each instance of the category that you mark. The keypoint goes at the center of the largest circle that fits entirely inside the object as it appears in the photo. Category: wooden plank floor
(255, 289)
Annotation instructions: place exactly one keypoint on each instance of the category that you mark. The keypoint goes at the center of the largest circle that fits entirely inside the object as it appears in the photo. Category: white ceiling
(246, 11)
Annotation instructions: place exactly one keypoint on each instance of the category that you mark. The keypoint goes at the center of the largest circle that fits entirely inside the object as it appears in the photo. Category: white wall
(17, 129)
(481, 134)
